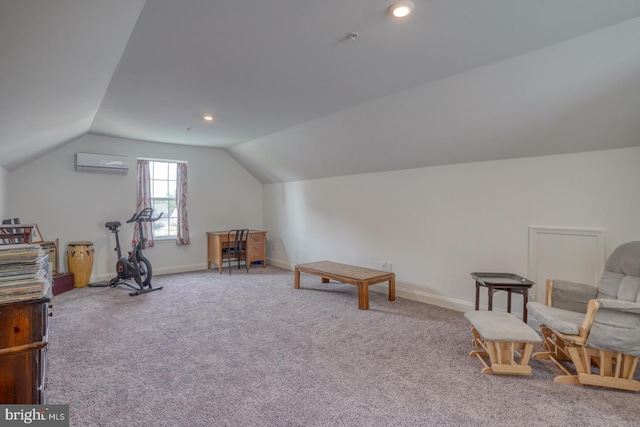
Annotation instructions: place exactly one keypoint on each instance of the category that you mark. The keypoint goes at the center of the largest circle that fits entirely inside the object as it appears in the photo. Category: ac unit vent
(102, 163)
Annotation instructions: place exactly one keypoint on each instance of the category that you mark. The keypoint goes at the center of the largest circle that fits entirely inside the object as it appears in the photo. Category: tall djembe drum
(80, 262)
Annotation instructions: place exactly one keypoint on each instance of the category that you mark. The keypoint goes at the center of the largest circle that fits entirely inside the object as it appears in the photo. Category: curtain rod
(162, 160)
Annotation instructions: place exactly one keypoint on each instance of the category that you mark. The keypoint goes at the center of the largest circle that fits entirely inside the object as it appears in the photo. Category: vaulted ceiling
(293, 97)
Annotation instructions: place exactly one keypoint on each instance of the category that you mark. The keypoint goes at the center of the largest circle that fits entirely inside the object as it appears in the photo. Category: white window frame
(155, 178)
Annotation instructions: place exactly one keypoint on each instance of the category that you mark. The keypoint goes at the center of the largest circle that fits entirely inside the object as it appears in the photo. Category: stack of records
(23, 272)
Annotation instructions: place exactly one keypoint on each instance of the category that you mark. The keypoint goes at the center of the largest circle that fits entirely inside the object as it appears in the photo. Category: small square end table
(511, 283)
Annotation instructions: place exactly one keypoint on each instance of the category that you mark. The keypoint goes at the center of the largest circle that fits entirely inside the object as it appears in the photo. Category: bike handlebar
(144, 216)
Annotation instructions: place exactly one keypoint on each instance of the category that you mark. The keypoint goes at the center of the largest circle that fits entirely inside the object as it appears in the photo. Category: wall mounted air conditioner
(102, 163)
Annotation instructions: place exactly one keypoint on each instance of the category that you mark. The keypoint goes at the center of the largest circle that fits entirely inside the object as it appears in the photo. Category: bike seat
(112, 225)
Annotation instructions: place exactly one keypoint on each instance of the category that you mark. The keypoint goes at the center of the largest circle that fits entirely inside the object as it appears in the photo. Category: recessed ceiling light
(208, 117)
(401, 8)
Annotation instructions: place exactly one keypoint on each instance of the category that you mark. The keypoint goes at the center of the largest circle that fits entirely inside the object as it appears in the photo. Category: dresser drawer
(255, 251)
(255, 238)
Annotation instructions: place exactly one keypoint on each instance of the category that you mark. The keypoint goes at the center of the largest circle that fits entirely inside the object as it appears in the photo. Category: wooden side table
(503, 282)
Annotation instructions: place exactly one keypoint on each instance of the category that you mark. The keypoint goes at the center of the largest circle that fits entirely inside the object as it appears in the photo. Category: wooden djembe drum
(80, 262)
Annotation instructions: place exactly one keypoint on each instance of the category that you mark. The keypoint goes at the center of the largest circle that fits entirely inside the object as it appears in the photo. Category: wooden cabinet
(24, 328)
(256, 246)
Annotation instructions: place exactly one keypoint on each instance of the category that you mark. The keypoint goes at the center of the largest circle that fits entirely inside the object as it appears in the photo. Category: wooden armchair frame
(616, 369)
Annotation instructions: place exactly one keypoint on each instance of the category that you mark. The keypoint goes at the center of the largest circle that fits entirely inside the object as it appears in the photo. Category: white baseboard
(402, 292)
(412, 294)
(281, 264)
(425, 297)
(157, 271)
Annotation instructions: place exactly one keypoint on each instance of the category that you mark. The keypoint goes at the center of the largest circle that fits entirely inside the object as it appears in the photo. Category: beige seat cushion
(501, 327)
(564, 321)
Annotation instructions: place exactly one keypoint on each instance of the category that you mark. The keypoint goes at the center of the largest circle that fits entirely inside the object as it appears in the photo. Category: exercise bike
(135, 265)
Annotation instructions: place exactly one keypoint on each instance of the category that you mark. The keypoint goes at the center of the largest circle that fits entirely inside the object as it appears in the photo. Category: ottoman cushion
(501, 327)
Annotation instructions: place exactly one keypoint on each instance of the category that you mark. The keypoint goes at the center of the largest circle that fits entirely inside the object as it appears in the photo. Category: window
(162, 185)
(163, 198)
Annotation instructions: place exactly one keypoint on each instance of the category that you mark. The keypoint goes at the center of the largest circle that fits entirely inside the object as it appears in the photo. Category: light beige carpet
(249, 350)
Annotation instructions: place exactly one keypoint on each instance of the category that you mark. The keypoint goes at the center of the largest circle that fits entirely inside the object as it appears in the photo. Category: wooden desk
(255, 244)
(358, 276)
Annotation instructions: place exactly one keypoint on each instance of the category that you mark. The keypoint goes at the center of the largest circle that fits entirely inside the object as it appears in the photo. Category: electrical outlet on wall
(389, 266)
(384, 266)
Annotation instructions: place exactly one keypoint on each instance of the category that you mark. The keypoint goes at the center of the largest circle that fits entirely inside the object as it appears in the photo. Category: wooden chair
(236, 249)
(597, 329)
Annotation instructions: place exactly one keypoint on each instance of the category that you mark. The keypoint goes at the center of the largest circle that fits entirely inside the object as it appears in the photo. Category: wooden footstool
(501, 337)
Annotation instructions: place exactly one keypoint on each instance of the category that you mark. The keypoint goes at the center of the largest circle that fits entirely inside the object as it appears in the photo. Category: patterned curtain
(181, 201)
(144, 200)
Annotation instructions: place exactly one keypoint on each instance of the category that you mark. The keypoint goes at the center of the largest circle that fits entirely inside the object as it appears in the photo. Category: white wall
(73, 206)
(438, 224)
(4, 192)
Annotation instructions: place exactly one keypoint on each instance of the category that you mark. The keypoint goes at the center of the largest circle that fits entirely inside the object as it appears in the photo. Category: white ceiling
(294, 98)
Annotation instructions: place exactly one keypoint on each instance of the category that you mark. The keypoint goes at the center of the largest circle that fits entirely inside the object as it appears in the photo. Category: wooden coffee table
(358, 276)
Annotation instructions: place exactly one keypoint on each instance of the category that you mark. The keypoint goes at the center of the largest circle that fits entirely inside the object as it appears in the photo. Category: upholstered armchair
(595, 328)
